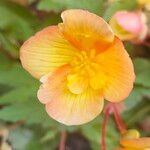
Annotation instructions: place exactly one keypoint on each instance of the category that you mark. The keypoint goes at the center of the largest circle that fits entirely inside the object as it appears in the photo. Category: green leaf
(10, 47)
(50, 5)
(141, 65)
(14, 17)
(18, 95)
(119, 5)
(48, 20)
(143, 78)
(5, 62)
(136, 96)
(139, 112)
(94, 128)
(142, 83)
(34, 145)
(16, 76)
(30, 111)
(21, 100)
(142, 69)
(49, 135)
(16, 24)
(59, 5)
(4, 89)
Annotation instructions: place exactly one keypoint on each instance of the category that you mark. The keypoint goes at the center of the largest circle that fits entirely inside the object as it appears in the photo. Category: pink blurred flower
(129, 25)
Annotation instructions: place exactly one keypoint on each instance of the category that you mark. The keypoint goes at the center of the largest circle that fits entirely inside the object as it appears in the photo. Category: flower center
(84, 63)
(85, 73)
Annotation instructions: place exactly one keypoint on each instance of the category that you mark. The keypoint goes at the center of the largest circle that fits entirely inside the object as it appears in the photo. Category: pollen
(84, 62)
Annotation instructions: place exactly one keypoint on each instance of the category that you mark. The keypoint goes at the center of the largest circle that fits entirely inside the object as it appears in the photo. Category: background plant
(20, 111)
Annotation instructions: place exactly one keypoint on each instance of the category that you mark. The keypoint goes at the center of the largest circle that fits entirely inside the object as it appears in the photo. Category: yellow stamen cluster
(85, 63)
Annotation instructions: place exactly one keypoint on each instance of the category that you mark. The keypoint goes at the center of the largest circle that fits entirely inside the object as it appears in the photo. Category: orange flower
(80, 62)
(132, 141)
(129, 25)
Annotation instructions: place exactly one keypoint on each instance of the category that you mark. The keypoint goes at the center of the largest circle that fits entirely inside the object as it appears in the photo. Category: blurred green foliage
(18, 101)
(59, 5)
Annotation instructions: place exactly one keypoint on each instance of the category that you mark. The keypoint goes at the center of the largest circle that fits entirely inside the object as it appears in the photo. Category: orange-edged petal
(45, 51)
(66, 107)
(136, 143)
(117, 67)
(85, 30)
(51, 84)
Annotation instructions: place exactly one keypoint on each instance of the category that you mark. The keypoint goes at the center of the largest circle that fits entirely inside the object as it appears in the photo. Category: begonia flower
(80, 63)
(129, 25)
(133, 141)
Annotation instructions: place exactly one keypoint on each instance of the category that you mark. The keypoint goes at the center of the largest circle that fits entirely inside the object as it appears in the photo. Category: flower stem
(62, 140)
(104, 125)
(111, 108)
(119, 121)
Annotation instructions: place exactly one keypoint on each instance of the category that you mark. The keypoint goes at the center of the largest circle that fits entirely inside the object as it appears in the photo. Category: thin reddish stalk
(104, 129)
(62, 140)
(111, 108)
(119, 121)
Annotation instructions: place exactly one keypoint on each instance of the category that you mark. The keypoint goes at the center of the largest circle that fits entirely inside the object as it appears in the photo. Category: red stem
(120, 123)
(111, 107)
(62, 140)
(104, 125)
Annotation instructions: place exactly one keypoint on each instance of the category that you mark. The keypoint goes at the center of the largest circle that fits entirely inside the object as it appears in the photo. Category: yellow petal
(131, 134)
(125, 149)
(45, 51)
(98, 81)
(119, 73)
(76, 83)
(136, 143)
(66, 107)
(85, 30)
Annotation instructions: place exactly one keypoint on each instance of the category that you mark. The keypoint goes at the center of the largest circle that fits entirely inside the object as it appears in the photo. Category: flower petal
(85, 30)
(51, 84)
(129, 25)
(119, 73)
(136, 143)
(120, 31)
(123, 148)
(144, 30)
(45, 51)
(66, 107)
(130, 21)
(77, 83)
